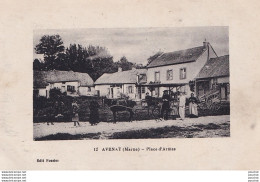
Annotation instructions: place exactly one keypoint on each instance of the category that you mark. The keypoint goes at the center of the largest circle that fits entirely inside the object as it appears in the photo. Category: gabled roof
(177, 57)
(215, 67)
(122, 77)
(42, 78)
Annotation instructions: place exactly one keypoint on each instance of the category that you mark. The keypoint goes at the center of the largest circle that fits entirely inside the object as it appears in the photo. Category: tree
(100, 61)
(139, 66)
(38, 65)
(124, 64)
(51, 46)
(76, 56)
(94, 60)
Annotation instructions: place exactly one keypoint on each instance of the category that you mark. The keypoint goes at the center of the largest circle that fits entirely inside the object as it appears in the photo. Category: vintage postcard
(135, 83)
(111, 85)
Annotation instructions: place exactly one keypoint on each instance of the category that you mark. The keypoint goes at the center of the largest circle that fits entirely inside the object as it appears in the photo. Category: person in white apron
(182, 101)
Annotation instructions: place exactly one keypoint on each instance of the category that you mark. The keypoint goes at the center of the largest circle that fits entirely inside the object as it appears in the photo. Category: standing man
(182, 101)
(148, 100)
(166, 104)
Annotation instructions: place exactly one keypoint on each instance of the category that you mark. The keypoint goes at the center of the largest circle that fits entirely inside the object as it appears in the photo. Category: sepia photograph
(131, 83)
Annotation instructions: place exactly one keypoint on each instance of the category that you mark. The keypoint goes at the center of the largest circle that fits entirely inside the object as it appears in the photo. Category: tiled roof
(215, 67)
(42, 78)
(122, 77)
(177, 57)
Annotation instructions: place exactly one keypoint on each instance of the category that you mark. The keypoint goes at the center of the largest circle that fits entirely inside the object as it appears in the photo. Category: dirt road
(209, 126)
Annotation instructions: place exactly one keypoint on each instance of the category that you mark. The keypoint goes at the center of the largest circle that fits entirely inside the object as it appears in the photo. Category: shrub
(40, 102)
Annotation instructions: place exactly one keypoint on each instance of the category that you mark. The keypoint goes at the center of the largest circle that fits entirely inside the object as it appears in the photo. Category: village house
(173, 71)
(115, 85)
(69, 82)
(214, 77)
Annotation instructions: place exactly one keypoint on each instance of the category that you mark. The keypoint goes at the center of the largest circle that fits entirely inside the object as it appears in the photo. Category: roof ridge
(215, 67)
(182, 50)
(178, 57)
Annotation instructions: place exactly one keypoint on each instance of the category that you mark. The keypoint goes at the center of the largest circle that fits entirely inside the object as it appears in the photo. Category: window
(183, 73)
(89, 89)
(70, 88)
(169, 74)
(143, 89)
(157, 76)
(130, 89)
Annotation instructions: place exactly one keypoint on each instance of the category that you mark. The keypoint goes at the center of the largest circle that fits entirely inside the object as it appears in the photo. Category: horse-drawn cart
(154, 107)
(212, 102)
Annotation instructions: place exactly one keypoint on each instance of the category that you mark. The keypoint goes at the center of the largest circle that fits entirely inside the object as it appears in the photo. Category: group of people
(167, 106)
(57, 111)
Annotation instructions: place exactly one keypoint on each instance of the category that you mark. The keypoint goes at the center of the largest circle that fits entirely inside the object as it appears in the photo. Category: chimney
(205, 43)
(206, 46)
(119, 69)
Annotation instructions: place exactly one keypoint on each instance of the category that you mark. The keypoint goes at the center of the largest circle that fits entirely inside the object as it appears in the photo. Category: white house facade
(121, 83)
(69, 82)
(174, 70)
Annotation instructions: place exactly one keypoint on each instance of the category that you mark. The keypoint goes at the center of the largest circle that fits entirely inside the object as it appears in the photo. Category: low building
(69, 82)
(173, 71)
(121, 83)
(214, 76)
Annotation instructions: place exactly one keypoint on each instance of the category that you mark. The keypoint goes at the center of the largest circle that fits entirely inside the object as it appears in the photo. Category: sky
(138, 44)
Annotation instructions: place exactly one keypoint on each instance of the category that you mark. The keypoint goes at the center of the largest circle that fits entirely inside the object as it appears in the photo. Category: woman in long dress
(75, 113)
(193, 107)
(94, 114)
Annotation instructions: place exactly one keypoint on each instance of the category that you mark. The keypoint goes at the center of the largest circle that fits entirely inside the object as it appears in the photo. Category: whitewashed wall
(103, 90)
(125, 91)
(63, 87)
(84, 91)
(192, 70)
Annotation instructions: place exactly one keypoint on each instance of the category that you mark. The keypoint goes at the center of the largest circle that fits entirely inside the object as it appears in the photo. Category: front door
(139, 92)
